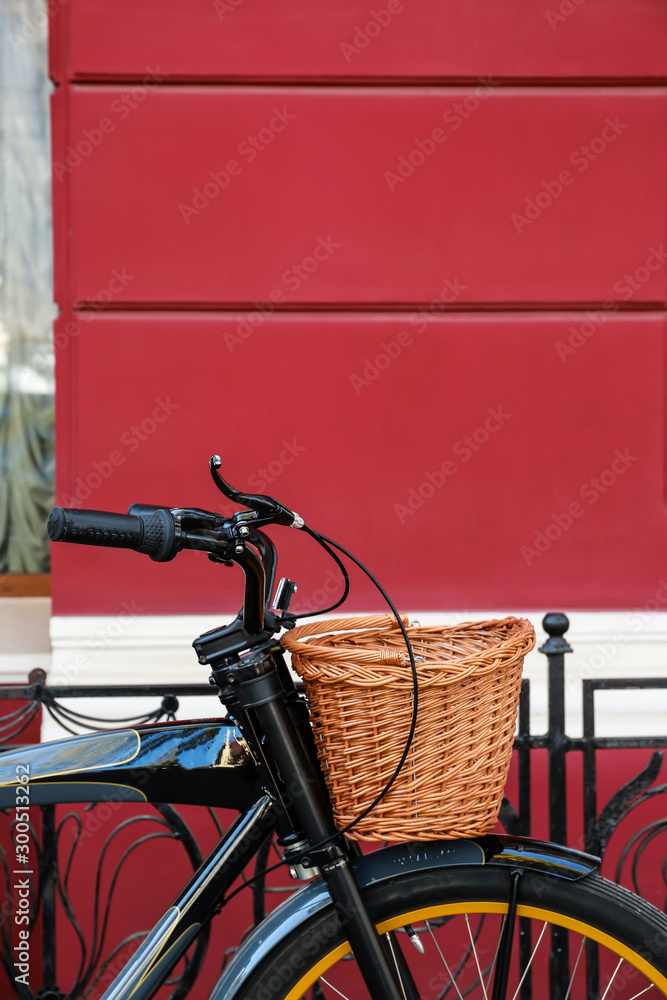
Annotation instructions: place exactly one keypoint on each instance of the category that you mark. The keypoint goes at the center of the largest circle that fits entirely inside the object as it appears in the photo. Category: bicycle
(363, 924)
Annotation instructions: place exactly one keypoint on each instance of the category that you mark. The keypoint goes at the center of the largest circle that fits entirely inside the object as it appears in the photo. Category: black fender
(380, 866)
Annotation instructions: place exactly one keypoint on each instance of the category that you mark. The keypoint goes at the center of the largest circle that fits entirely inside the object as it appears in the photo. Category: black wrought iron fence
(589, 822)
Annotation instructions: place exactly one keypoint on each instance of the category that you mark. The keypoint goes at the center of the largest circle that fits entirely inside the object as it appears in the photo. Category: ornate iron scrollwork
(58, 834)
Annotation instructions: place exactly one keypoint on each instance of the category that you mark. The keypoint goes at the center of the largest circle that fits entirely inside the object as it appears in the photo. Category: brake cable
(329, 544)
(271, 511)
(338, 561)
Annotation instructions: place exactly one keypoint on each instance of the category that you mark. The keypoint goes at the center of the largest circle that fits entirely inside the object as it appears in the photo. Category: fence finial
(555, 624)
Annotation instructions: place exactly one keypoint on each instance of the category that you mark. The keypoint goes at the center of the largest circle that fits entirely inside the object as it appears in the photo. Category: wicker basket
(358, 680)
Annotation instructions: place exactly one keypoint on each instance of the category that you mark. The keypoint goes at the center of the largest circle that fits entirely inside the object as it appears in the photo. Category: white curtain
(26, 299)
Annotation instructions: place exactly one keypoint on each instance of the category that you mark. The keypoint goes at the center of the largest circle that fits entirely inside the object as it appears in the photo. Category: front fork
(254, 693)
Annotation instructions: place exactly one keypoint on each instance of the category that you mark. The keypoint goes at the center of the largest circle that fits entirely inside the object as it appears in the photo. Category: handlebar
(154, 533)
(161, 532)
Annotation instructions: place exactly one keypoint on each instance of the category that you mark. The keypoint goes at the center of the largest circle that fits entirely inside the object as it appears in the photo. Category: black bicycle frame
(194, 906)
(261, 761)
(225, 763)
(258, 691)
(198, 763)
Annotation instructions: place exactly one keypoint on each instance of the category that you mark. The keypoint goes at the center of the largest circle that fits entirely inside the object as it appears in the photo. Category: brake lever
(194, 517)
(187, 517)
(267, 509)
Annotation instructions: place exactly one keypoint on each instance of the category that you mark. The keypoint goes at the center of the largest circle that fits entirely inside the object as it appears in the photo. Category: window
(26, 306)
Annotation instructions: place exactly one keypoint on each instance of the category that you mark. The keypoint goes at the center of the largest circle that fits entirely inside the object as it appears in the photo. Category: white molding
(129, 649)
(24, 637)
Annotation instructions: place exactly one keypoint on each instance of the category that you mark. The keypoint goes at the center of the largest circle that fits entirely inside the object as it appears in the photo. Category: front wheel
(584, 940)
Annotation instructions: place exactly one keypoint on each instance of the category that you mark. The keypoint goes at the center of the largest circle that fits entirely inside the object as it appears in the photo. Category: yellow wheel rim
(451, 909)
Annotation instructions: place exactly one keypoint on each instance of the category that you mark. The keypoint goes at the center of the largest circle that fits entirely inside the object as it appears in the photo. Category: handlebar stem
(269, 557)
(255, 584)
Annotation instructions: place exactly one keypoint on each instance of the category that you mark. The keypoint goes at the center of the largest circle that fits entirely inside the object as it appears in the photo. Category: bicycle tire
(631, 936)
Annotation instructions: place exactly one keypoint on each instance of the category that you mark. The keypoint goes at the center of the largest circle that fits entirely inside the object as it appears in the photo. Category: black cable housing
(329, 544)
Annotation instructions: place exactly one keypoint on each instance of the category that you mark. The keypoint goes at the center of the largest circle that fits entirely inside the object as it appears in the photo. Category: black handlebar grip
(153, 534)
(144, 508)
(95, 527)
(161, 539)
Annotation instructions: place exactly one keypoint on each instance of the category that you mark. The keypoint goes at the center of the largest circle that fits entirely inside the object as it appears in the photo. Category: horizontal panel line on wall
(370, 307)
(264, 184)
(367, 81)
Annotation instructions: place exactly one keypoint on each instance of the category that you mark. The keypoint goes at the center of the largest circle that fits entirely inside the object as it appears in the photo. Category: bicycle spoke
(571, 984)
(444, 961)
(530, 960)
(495, 957)
(472, 938)
(327, 983)
(611, 981)
(473, 941)
(474, 951)
(392, 949)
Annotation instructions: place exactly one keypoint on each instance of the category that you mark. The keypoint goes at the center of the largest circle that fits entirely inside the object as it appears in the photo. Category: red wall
(410, 264)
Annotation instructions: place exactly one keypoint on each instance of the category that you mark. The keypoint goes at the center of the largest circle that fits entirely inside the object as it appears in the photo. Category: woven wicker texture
(357, 676)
